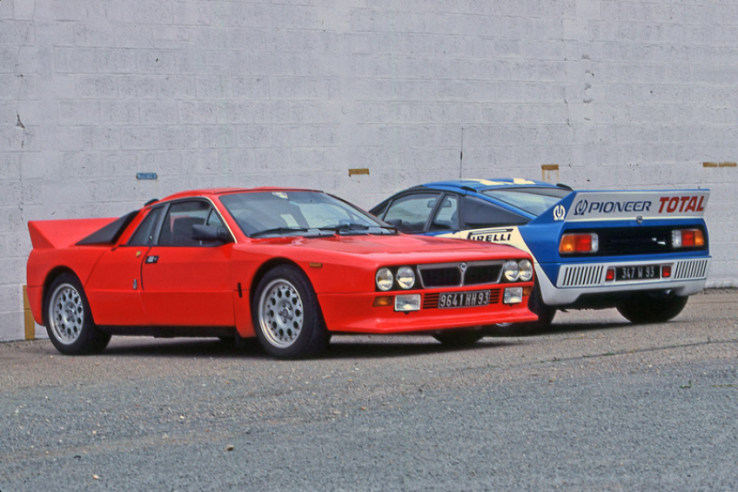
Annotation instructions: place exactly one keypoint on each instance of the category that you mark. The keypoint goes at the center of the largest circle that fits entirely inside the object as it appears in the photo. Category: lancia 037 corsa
(290, 267)
(643, 252)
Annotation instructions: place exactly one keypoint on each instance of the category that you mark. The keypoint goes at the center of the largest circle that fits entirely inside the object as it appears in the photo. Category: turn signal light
(383, 301)
(687, 238)
(579, 243)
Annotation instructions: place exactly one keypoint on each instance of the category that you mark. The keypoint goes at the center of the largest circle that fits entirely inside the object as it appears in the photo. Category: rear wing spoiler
(49, 234)
(583, 206)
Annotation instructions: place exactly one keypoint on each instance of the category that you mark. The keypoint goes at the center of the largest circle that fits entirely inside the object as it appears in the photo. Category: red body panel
(199, 286)
(189, 286)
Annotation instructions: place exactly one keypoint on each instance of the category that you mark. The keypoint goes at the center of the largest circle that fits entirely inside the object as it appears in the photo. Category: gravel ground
(596, 403)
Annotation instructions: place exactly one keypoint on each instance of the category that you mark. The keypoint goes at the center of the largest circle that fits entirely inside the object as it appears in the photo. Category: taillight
(579, 243)
(687, 238)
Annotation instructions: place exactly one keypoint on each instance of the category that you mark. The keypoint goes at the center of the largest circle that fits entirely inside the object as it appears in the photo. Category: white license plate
(463, 299)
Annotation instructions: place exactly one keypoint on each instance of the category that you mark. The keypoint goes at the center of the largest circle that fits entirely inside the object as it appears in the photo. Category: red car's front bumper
(356, 313)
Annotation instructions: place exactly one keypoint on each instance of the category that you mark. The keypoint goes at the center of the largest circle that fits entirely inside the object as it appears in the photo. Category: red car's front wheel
(287, 317)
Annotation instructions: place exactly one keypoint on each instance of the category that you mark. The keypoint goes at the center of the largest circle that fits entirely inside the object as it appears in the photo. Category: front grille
(624, 241)
(430, 301)
(482, 274)
(580, 276)
(458, 274)
(690, 269)
(441, 277)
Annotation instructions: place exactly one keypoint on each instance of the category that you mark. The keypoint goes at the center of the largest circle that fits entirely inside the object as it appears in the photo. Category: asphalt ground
(596, 403)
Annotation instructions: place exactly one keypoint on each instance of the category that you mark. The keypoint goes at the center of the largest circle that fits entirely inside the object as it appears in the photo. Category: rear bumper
(574, 280)
(355, 313)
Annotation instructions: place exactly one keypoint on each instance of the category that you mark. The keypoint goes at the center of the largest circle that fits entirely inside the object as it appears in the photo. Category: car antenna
(153, 200)
(565, 186)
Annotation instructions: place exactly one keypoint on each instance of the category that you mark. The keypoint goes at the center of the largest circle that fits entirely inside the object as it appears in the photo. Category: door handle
(152, 259)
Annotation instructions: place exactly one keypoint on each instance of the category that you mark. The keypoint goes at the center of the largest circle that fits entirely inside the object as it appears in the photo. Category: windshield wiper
(340, 228)
(279, 230)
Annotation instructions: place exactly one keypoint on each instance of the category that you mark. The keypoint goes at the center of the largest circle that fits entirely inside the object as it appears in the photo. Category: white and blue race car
(642, 252)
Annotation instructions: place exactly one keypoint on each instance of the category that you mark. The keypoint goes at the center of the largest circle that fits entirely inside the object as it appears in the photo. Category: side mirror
(211, 234)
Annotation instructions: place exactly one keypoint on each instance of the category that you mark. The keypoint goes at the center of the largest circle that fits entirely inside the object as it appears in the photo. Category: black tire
(460, 337)
(286, 315)
(69, 320)
(535, 304)
(652, 307)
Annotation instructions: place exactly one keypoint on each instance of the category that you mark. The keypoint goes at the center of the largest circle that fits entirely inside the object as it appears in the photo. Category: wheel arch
(50, 277)
(266, 267)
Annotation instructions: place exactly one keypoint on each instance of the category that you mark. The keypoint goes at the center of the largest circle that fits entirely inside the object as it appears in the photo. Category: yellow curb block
(28, 321)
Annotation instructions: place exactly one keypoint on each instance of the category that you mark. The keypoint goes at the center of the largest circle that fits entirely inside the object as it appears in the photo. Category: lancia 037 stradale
(288, 266)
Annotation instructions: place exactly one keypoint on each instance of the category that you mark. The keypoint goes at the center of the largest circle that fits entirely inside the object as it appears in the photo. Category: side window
(477, 214)
(144, 235)
(447, 218)
(410, 213)
(214, 219)
(379, 212)
(177, 227)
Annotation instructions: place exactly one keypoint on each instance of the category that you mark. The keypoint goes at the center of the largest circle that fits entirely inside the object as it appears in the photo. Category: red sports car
(288, 266)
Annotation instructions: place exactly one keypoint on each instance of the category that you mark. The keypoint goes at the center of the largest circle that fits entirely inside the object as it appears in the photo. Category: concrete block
(97, 87)
(158, 112)
(179, 137)
(75, 60)
(115, 60)
(16, 33)
(79, 112)
(140, 138)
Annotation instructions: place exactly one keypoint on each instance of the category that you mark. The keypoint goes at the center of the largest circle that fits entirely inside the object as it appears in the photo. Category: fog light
(410, 302)
(666, 271)
(513, 295)
(610, 275)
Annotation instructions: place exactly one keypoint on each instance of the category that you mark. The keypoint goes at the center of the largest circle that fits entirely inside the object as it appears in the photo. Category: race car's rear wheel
(652, 307)
(69, 320)
(287, 317)
(460, 337)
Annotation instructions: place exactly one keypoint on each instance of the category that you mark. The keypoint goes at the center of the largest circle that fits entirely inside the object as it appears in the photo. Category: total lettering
(677, 204)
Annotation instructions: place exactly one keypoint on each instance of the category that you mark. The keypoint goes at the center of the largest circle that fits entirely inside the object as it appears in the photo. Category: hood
(396, 248)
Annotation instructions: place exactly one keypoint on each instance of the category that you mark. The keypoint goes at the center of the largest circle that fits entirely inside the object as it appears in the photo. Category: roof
(484, 184)
(225, 191)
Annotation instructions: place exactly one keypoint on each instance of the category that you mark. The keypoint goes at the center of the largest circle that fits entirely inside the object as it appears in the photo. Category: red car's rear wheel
(69, 320)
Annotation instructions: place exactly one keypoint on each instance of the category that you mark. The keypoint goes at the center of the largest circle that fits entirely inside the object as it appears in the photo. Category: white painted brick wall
(620, 94)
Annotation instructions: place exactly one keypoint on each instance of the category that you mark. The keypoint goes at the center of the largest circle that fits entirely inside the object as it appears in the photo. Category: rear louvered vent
(580, 276)
(690, 269)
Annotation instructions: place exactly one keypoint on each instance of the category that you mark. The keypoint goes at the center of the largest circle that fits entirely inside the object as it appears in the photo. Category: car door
(187, 282)
(114, 288)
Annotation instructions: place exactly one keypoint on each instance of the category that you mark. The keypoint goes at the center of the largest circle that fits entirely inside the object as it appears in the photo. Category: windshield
(289, 213)
(535, 201)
